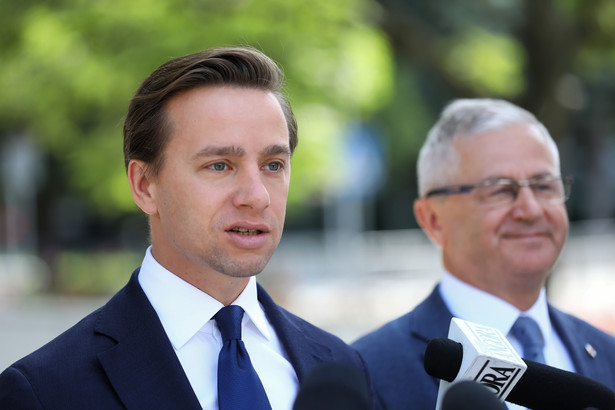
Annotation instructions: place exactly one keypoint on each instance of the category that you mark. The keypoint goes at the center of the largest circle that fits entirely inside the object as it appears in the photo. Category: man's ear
(428, 218)
(141, 186)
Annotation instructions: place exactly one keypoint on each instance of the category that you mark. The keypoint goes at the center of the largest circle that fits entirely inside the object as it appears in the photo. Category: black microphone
(484, 356)
(333, 386)
(469, 395)
(541, 387)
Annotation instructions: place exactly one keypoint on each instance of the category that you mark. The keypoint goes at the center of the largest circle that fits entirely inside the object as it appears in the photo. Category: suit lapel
(581, 351)
(304, 352)
(142, 366)
(430, 319)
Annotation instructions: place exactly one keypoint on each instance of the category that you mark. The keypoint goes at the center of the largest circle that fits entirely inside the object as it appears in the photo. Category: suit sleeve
(16, 392)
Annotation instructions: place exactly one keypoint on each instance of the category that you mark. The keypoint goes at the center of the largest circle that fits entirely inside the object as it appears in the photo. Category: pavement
(27, 323)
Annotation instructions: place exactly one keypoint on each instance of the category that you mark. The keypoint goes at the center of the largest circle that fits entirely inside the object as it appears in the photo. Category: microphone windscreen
(443, 358)
(548, 388)
(541, 387)
(333, 386)
(469, 395)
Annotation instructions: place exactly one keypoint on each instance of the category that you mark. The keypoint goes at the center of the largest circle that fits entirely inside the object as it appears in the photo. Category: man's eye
(274, 166)
(543, 186)
(502, 190)
(218, 166)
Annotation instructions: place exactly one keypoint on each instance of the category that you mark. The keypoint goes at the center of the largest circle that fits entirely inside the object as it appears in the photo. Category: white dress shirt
(469, 303)
(186, 314)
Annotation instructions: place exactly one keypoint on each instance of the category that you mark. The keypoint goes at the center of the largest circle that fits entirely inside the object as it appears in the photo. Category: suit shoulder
(71, 346)
(393, 354)
(428, 319)
(398, 329)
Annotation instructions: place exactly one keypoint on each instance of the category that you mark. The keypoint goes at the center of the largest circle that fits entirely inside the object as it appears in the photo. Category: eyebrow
(276, 149)
(213, 151)
(235, 151)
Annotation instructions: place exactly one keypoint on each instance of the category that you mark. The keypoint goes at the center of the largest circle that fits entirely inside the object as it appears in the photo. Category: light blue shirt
(474, 305)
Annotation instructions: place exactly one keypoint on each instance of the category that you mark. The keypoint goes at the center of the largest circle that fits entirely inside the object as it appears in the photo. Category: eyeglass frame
(468, 188)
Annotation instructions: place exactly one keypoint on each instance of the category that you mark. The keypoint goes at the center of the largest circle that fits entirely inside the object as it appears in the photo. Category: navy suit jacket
(394, 353)
(119, 357)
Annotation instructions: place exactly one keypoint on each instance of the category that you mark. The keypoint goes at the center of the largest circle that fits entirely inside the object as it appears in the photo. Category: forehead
(223, 101)
(517, 151)
(226, 115)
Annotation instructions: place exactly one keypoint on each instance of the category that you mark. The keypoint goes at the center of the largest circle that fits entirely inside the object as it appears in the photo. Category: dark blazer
(120, 357)
(394, 353)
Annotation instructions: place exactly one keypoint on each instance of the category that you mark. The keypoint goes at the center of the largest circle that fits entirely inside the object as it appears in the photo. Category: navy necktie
(239, 387)
(528, 333)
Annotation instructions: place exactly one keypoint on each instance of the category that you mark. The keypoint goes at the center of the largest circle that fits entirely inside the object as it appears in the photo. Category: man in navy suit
(492, 199)
(208, 140)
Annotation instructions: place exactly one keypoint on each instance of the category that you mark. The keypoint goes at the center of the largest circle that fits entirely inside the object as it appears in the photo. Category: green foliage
(94, 272)
(70, 67)
(490, 63)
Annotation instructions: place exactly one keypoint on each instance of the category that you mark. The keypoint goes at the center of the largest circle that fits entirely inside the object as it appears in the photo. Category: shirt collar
(489, 310)
(184, 309)
(248, 300)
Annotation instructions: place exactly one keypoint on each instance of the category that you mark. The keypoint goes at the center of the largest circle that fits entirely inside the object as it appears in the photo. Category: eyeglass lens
(545, 191)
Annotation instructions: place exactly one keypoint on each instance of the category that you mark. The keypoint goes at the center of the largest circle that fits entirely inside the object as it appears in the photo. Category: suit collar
(432, 318)
(435, 318)
(304, 352)
(152, 377)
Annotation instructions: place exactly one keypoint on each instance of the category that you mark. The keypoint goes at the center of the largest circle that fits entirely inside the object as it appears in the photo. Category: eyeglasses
(547, 190)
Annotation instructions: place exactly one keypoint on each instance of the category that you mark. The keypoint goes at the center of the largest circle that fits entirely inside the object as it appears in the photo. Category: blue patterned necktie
(528, 333)
(239, 387)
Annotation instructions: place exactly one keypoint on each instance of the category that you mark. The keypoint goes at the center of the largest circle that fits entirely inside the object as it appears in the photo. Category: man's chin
(245, 267)
(532, 271)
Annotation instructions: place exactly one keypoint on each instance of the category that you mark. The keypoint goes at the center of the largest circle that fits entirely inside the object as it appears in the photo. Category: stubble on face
(216, 176)
(220, 261)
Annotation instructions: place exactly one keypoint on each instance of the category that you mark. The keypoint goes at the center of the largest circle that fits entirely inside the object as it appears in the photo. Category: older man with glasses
(492, 199)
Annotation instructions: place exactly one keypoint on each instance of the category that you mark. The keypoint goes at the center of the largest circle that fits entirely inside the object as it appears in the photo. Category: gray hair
(466, 118)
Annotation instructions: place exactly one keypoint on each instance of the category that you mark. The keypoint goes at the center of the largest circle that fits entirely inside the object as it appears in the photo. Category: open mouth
(246, 232)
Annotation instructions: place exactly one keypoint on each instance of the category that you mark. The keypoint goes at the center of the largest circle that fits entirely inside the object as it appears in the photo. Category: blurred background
(366, 78)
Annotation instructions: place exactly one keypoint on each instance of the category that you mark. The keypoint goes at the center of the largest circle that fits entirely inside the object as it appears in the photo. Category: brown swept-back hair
(146, 129)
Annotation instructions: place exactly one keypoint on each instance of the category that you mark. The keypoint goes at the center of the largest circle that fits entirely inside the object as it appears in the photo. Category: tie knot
(527, 331)
(229, 322)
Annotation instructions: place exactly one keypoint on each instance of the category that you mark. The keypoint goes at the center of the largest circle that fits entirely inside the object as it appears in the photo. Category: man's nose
(251, 191)
(526, 204)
